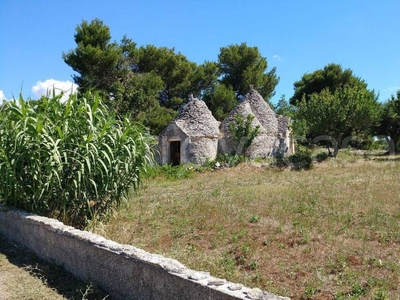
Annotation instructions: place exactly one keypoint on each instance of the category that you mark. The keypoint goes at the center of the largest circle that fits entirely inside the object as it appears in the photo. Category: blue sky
(296, 36)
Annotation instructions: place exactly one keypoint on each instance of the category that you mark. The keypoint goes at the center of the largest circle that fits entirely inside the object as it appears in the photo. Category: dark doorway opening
(175, 152)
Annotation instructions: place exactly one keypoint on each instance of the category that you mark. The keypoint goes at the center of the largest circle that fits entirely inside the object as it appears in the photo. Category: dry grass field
(332, 232)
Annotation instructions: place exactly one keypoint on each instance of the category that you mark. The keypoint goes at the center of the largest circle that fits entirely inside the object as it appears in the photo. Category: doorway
(175, 152)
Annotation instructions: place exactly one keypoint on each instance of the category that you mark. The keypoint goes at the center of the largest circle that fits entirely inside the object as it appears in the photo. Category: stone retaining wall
(123, 271)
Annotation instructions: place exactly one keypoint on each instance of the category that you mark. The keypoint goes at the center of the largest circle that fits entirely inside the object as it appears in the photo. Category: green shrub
(72, 161)
(280, 161)
(301, 159)
(230, 160)
(320, 157)
(243, 131)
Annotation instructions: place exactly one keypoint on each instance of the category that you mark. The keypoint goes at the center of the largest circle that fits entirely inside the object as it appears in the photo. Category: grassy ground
(25, 277)
(332, 232)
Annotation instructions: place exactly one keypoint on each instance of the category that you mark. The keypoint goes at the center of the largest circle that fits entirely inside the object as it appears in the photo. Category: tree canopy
(338, 117)
(390, 123)
(331, 77)
(135, 81)
(174, 69)
(220, 100)
(150, 83)
(241, 66)
(238, 67)
(95, 58)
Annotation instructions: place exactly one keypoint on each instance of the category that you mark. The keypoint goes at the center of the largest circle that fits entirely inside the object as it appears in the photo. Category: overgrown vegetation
(301, 160)
(243, 132)
(72, 161)
(230, 160)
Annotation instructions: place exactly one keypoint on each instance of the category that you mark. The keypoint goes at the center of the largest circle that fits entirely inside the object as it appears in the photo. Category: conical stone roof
(254, 104)
(243, 109)
(262, 111)
(196, 120)
(283, 124)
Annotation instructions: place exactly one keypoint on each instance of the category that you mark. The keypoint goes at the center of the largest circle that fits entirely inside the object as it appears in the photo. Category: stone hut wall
(200, 150)
(274, 136)
(202, 137)
(195, 150)
(196, 129)
(169, 134)
(226, 143)
(263, 146)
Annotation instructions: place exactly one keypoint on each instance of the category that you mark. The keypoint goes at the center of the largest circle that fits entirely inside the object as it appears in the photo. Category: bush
(243, 131)
(280, 161)
(320, 157)
(72, 161)
(301, 159)
(230, 160)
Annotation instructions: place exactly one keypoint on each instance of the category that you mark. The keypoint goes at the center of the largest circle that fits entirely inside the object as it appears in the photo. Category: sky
(295, 36)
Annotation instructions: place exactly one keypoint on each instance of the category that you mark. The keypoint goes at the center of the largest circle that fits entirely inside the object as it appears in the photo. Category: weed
(228, 263)
(310, 290)
(254, 219)
(381, 294)
(357, 291)
(253, 266)
(172, 172)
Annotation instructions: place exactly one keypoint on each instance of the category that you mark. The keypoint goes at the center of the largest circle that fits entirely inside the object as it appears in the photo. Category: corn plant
(73, 161)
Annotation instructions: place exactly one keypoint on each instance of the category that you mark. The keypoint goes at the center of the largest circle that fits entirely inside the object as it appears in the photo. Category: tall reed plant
(73, 161)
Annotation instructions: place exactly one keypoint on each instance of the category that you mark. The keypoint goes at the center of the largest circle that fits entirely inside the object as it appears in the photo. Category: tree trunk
(329, 151)
(395, 141)
(337, 144)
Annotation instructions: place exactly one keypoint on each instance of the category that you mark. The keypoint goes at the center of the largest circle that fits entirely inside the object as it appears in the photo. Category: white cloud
(44, 88)
(276, 57)
(2, 97)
